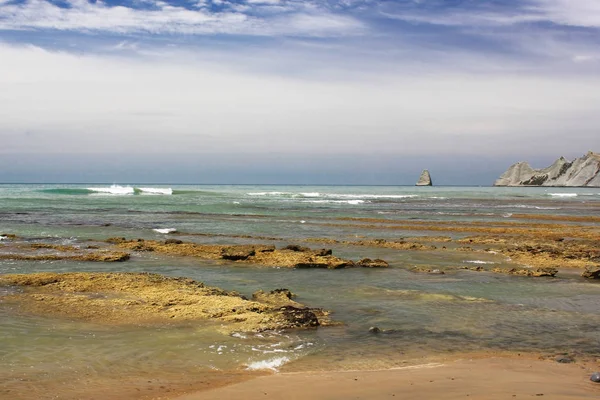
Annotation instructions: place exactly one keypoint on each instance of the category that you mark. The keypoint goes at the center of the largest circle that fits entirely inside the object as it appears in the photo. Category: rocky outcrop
(292, 256)
(583, 171)
(143, 298)
(424, 179)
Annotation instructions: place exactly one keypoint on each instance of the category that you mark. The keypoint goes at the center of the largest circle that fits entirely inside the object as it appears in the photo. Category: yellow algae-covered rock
(142, 298)
(292, 256)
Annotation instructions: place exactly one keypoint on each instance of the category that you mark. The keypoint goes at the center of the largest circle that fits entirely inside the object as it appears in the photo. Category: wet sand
(489, 378)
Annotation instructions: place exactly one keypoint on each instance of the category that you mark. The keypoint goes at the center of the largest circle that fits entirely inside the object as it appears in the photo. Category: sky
(290, 91)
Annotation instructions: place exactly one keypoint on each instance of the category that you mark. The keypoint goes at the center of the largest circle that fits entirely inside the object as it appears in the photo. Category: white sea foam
(313, 194)
(353, 202)
(563, 194)
(165, 230)
(479, 262)
(372, 196)
(149, 190)
(113, 190)
(267, 193)
(271, 364)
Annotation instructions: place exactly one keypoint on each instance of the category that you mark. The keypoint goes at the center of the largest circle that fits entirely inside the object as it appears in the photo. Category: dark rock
(302, 249)
(368, 263)
(564, 359)
(295, 247)
(300, 317)
(173, 241)
(323, 252)
(285, 292)
(595, 377)
(591, 272)
(238, 253)
(376, 330)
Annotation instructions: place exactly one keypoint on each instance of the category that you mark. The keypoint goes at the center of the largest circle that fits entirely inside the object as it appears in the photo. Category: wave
(333, 195)
(268, 194)
(113, 190)
(129, 190)
(272, 364)
(563, 194)
(69, 191)
(165, 230)
(352, 202)
(147, 190)
(479, 262)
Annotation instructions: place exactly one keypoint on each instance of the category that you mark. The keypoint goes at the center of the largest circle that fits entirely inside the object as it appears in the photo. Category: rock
(295, 247)
(376, 263)
(266, 255)
(376, 330)
(591, 272)
(300, 317)
(583, 171)
(427, 270)
(537, 272)
(279, 297)
(143, 298)
(302, 249)
(564, 360)
(424, 179)
(173, 241)
(595, 377)
(238, 252)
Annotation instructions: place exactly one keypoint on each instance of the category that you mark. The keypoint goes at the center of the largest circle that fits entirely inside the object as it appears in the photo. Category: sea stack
(581, 172)
(424, 179)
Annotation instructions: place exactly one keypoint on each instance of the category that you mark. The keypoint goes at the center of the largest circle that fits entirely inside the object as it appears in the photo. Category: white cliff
(583, 171)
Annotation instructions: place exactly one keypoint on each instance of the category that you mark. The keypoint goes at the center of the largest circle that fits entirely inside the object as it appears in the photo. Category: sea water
(426, 315)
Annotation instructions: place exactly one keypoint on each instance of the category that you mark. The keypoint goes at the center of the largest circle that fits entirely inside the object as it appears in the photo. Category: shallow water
(427, 315)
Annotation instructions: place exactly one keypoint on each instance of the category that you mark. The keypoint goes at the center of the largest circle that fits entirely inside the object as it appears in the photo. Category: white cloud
(173, 104)
(580, 13)
(85, 16)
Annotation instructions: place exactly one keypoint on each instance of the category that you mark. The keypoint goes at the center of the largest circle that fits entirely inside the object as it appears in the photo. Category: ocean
(426, 315)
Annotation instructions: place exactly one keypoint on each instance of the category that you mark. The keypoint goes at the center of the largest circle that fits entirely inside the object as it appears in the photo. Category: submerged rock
(143, 298)
(583, 171)
(376, 263)
(591, 272)
(537, 272)
(424, 179)
(268, 255)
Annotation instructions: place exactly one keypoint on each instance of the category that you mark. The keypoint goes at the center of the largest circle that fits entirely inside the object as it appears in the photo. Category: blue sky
(348, 80)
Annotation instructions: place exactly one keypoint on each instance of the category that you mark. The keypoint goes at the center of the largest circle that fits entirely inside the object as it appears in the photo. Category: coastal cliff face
(583, 171)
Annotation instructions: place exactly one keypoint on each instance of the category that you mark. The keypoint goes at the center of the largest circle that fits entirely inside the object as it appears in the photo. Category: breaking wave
(272, 364)
(165, 230)
(113, 190)
(149, 190)
(562, 194)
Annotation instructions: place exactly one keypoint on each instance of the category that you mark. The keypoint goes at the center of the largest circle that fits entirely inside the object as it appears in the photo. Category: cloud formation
(328, 77)
(261, 18)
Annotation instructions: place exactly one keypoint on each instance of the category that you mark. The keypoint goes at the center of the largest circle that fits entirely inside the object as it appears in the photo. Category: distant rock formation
(424, 179)
(583, 171)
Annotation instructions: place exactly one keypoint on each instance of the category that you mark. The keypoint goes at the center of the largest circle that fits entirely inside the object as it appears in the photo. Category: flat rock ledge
(146, 299)
(291, 256)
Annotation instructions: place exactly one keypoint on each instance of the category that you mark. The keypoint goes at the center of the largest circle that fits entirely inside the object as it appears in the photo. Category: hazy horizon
(258, 169)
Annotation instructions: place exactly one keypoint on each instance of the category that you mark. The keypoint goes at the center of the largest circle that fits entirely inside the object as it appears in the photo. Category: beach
(487, 378)
(323, 292)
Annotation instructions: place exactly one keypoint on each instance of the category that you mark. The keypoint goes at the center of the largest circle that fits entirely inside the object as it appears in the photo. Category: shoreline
(492, 377)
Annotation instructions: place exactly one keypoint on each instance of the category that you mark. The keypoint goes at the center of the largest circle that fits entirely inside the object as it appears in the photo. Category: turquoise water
(431, 315)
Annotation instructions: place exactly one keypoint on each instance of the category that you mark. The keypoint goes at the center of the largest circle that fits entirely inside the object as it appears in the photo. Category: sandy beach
(489, 378)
